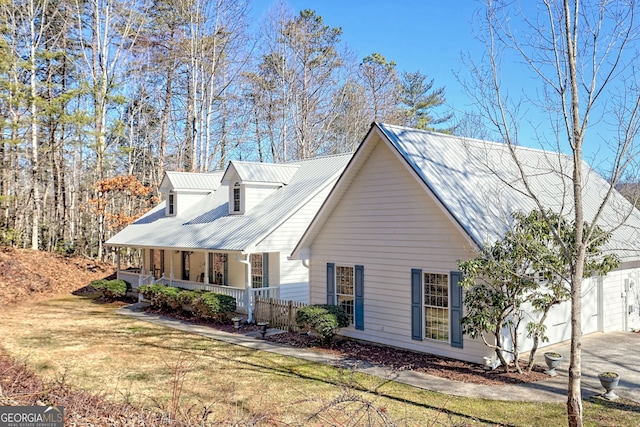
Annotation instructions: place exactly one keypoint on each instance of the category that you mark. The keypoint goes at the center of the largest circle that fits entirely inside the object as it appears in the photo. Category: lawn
(176, 372)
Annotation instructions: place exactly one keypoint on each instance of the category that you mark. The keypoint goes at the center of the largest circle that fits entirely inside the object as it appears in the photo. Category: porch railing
(135, 279)
(244, 300)
(272, 292)
(239, 294)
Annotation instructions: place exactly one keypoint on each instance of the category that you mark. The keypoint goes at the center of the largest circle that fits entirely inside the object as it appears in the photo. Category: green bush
(209, 305)
(206, 305)
(186, 297)
(111, 290)
(322, 320)
(161, 297)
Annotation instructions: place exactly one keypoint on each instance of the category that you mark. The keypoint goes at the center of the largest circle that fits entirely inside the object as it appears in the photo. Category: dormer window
(171, 204)
(236, 197)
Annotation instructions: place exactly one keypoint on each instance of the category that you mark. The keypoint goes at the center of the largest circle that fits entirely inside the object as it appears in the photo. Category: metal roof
(261, 172)
(193, 181)
(208, 224)
(480, 184)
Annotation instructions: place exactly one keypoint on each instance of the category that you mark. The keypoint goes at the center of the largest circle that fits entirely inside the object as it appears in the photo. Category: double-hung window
(436, 306)
(236, 197)
(171, 204)
(345, 290)
(260, 270)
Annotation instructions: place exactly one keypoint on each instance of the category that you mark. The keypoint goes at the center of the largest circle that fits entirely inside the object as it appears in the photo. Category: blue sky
(431, 36)
(419, 35)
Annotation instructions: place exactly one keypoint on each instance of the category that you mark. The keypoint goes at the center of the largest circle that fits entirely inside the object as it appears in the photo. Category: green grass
(158, 367)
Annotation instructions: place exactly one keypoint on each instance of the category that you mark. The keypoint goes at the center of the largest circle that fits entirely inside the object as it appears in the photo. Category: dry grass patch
(187, 375)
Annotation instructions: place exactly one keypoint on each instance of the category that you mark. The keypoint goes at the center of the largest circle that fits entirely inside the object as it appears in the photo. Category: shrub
(161, 297)
(111, 290)
(322, 320)
(209, 305)
(186, 297)
(206, 305)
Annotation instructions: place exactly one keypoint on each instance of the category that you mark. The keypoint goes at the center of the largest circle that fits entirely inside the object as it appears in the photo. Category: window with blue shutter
(359, 297)
(331, 283)
(455, 292)
(416, 304)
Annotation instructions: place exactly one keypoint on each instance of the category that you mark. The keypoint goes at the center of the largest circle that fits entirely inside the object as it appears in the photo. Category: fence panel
(280, 314)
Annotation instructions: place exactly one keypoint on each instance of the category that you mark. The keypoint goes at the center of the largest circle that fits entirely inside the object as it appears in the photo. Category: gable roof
(208, 224)
(190, 181)
(478, 185)
(260, 172)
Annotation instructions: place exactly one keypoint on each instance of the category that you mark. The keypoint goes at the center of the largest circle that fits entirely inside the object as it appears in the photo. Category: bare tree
(581, 60)
(109, 30)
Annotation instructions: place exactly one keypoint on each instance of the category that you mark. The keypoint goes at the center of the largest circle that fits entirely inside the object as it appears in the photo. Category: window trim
(350, 313)
(171, 203)
(263, 273)
(425, 306)
(236, 198)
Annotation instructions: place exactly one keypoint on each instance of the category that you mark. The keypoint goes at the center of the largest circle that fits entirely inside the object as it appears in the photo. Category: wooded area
(99, 98)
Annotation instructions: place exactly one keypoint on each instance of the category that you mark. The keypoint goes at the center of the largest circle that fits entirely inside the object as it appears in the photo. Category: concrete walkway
(615, 351)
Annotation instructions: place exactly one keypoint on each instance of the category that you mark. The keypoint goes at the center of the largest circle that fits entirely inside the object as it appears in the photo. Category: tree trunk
(35, 189)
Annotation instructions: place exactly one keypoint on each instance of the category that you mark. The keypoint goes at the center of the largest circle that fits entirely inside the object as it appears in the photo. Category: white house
(410, 204)
(231, 232)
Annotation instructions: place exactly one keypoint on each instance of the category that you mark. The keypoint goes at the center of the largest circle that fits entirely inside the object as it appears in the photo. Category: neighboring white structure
(386, 243)
(231, 231)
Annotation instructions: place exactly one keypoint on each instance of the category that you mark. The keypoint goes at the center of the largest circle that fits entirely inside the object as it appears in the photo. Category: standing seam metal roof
(194, 181)
(208, 225)
(262, 172)
(480, 184)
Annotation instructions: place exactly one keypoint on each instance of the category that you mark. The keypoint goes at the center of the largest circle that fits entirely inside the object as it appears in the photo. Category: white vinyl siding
(388, 223)
(254, 194)
(291, 275)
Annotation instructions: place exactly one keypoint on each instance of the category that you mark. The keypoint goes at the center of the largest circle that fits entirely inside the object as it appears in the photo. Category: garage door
(590, 312)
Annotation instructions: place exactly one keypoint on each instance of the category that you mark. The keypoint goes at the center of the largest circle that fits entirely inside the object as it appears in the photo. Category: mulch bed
(392, 358)
(403, 360)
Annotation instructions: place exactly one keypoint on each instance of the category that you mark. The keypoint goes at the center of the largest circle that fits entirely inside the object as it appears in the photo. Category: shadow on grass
(127, 332)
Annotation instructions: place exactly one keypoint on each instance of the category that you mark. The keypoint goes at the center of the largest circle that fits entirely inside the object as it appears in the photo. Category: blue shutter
(416, 304)
(331, 283)
(359, 300)
(455, 292)
(265, 270)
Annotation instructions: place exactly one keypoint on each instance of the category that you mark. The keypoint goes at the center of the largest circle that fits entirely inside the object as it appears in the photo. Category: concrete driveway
(613, 351)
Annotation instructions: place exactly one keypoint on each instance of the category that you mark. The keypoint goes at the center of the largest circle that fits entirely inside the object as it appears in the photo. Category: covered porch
(240, 275)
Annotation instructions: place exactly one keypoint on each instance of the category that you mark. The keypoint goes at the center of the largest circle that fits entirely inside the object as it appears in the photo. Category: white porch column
(247, 276)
